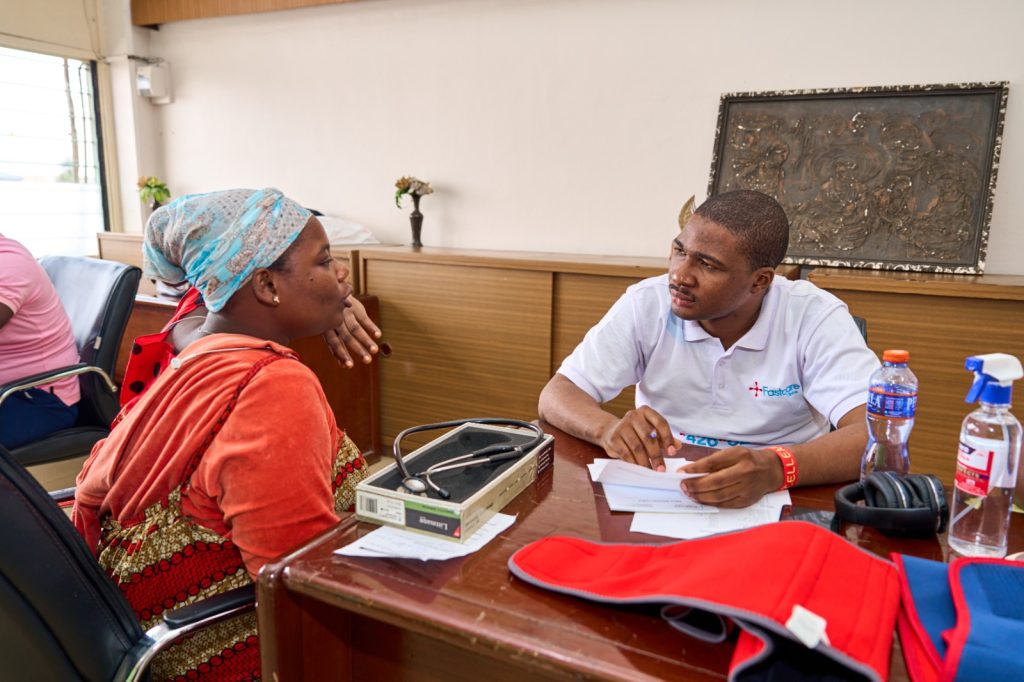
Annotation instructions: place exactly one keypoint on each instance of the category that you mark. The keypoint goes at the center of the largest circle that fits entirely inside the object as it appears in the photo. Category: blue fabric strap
(993, 594)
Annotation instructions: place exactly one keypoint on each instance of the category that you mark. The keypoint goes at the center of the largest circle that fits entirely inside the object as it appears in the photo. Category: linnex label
(432, 520)
(981, 466)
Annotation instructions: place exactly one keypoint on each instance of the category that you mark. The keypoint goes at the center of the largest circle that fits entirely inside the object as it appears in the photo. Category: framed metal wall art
(898, 178)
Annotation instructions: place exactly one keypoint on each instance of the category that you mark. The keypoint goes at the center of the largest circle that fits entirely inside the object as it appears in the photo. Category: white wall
(561, 125)
(129, 118)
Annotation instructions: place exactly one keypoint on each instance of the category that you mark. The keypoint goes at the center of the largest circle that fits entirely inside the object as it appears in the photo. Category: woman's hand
(355, 337)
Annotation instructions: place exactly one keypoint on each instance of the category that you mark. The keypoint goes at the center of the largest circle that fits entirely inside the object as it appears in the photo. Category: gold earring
(276, 300)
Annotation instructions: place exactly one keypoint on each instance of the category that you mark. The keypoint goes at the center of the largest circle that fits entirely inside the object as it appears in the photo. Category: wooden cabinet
(941, 320)
(479, 333)
(126, 247)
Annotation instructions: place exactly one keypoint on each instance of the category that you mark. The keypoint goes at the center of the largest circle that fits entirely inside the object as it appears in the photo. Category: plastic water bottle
(892, 402)
(986, 464)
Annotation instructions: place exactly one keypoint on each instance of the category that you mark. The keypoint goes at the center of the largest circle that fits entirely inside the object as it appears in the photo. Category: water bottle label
(981, 465)
(891, 404)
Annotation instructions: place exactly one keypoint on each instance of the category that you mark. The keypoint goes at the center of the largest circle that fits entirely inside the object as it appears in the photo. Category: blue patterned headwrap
(215, 241)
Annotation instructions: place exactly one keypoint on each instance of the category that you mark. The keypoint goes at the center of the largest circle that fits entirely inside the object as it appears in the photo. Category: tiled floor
(57, 475)
(381, 463)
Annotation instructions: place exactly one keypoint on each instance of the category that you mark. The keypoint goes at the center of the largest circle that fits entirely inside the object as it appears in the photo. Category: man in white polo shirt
(723, 353)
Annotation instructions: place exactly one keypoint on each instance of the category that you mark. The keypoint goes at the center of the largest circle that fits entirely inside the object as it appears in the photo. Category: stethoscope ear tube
(420, 483)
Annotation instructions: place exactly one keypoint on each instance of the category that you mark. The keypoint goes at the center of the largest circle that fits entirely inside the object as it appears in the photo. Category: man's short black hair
(758, 221)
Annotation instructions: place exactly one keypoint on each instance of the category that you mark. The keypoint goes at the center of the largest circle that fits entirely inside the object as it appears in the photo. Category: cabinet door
(580, 301)
(467, 341)
(940, 332)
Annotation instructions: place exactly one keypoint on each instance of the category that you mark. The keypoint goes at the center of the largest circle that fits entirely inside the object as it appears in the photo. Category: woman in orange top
(232, 456)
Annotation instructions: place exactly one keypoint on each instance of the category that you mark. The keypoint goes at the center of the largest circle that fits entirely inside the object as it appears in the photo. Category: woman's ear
(263, 287)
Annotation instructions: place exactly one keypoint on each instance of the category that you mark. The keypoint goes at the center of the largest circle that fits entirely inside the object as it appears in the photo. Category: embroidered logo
(758, 390)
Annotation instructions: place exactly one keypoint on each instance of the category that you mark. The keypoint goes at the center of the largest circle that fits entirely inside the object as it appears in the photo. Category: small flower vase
(154, 204)
(416, 220)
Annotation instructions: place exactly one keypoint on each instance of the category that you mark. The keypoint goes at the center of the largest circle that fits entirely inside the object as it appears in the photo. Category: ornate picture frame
(891, 177)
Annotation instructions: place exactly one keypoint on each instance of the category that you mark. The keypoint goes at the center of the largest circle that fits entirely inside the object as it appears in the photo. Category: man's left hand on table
(736, 477)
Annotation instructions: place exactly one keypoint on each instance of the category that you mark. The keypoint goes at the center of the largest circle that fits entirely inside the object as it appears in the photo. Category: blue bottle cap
(994, 394)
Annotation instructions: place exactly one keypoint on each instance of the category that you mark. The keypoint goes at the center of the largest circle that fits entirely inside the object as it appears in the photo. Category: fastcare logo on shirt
(709, 441)
(760, 391)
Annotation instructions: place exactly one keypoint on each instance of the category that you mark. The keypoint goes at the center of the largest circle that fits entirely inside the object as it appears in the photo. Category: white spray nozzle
(999, 367)
(994, 374)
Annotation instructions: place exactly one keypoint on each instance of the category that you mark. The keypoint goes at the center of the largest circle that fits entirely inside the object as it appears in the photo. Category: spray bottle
(986, 465)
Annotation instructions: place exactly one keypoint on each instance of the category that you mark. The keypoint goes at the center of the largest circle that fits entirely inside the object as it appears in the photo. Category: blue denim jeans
(30, 415)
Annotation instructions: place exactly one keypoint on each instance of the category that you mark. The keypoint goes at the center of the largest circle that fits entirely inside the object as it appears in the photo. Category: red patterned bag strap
(193, 463)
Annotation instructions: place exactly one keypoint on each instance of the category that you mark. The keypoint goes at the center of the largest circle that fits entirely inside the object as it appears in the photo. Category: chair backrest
(862, 326)
(98, 296)
(62, 617)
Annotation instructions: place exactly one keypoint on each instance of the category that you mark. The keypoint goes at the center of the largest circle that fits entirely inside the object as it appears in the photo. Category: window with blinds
(51, 186)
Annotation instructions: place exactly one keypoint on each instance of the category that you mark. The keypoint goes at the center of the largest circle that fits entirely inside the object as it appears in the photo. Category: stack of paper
(662, 508)
(398, 543)
(630, 487)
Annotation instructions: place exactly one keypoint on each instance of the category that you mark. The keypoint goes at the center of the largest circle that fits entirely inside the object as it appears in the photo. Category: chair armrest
(230, 600)
(189, 619)
(62, 495)
(25, 383)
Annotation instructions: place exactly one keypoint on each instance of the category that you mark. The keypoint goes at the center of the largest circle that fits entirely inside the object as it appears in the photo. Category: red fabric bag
(152, 353)
(755, 577)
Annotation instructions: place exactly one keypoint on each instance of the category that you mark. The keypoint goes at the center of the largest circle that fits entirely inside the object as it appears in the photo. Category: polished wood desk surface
(324, 616)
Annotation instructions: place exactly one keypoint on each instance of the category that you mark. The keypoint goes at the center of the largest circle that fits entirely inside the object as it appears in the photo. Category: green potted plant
(153, 191)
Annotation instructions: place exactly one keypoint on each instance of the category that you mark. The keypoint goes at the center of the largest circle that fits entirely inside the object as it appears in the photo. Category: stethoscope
(492, 454)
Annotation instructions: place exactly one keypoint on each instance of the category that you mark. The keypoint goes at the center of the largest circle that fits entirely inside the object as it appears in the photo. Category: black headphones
(910, 505)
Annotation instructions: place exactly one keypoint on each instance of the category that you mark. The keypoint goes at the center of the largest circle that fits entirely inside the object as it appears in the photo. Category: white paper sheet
(630, 499)
(397, 543)
(689, 526)
(617, 472)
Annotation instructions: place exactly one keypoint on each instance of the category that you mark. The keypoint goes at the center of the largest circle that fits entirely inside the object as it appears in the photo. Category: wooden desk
(326, 617)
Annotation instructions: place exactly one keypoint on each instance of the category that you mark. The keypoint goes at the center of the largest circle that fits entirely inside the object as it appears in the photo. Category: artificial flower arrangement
(413, 187)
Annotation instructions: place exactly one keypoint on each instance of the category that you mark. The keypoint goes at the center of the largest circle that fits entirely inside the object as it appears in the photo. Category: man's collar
(756, 337)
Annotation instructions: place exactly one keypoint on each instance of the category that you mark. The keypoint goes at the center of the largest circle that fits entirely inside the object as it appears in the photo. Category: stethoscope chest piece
(414, 485)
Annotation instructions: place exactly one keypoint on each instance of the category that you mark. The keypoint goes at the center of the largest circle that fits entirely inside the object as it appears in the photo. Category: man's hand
(354, 338)
(642, 437)
(736, 477)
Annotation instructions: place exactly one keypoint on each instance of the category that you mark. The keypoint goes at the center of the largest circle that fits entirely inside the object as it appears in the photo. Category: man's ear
(263, 286)
(762, 278)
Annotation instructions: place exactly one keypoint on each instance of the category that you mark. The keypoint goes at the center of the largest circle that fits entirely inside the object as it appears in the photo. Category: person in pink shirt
(35, 336)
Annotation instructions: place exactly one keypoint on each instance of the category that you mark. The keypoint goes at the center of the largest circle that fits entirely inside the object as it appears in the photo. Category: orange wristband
(789, 473)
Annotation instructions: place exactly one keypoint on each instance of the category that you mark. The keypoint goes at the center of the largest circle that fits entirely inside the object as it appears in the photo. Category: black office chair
(61, 617)
(98, 296)
(862, 326)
